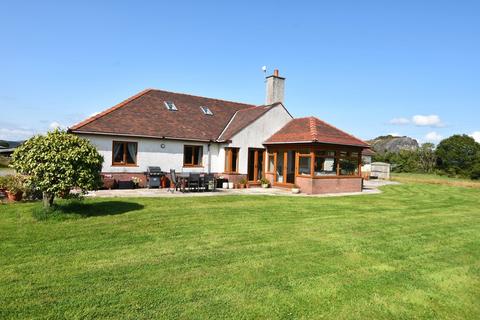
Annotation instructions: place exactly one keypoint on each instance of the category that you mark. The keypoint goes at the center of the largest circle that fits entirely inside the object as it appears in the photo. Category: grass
(410, 252)
(434, 179)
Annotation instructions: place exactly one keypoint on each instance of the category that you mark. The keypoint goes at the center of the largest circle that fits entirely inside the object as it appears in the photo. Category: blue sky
(368, 67)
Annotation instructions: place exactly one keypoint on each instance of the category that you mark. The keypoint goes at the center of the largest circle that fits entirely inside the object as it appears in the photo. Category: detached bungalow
(233, 140)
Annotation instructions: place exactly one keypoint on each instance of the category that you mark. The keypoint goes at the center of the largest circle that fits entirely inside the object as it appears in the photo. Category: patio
(370, 187)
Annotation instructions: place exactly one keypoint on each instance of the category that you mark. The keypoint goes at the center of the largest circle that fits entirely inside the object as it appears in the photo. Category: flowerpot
(264, 185)
(230, 185)
(14, 196)
(295, 190)
(242, 186)
(225, 185)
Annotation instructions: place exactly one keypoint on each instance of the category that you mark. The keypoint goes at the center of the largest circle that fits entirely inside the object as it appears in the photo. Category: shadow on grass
(75, 209)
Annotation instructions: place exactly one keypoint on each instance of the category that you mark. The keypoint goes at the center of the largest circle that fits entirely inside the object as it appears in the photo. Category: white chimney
(275, 88)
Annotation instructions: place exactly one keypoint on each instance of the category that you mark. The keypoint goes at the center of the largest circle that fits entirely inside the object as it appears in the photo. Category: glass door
(255, 164)
(285, 167)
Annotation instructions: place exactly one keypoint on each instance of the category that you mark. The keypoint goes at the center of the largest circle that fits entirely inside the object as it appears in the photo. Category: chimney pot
(275, 72)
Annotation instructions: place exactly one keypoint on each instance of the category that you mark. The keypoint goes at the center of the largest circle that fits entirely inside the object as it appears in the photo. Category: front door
(255, 164)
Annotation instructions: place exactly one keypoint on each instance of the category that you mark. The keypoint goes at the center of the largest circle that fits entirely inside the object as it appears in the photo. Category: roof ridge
(197, 96)
(313, 128)
(348, 134)
(109, 110)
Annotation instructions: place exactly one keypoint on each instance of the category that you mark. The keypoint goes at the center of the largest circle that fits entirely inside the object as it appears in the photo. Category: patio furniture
(125, 184)
(194, 181)
(209, 182)
(175, 183)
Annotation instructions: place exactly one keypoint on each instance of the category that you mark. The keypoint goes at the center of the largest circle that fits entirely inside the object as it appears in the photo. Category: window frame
(200, 158)
(125, 150)
(206, 111)
(174, 107)
(313, 151)
(228, 159)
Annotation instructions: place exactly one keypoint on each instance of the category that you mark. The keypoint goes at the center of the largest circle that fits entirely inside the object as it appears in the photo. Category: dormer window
(206, 111)
(170, 106)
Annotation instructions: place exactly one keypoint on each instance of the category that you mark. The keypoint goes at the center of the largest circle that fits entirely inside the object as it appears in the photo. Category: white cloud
(427, 121)
(476, 135)
(94, 114)
(15, 134)
(433, 137)
(399, 121)
(55, 125)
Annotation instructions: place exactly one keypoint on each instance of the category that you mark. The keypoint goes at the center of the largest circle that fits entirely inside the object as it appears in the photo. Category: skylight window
(206, 110)
(170, 106)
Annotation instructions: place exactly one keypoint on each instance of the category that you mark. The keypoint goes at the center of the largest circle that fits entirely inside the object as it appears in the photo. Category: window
(325, 163)
(170, 106)
(192, 156)
(271, 163)
(231, 159)
(304, 167)
(206, 111)
(348, 163)
(124, 153)
(304, 162)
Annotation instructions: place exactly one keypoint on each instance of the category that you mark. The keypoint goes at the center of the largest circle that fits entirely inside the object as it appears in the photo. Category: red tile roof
(145, 115)
(313, 130)
(243, 118)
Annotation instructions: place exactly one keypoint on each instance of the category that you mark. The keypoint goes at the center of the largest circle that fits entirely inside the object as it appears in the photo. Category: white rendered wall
(254, 135)
(150, 153)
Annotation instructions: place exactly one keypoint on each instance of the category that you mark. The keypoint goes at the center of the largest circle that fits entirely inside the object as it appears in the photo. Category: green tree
(57, 162)
(427, 158)
(457, 155)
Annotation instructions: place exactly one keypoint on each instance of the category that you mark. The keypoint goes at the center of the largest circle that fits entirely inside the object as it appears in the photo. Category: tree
(457, 155)
(426, 157)
(57, 162)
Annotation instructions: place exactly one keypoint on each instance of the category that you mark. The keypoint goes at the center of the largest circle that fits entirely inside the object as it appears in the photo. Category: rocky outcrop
(385, 144)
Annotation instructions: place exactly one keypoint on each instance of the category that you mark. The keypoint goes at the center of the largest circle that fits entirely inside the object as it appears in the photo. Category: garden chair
(175, 184)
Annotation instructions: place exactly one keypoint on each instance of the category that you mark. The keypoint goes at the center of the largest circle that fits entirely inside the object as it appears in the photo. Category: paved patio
(370, 187)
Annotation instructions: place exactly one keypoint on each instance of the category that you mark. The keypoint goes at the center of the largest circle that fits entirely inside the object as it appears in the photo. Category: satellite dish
(264, 68)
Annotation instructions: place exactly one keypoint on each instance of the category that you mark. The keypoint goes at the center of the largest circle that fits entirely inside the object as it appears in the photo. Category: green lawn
(410, 252)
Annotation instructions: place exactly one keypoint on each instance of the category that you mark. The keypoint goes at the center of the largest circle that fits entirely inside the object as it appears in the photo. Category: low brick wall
(331, 185)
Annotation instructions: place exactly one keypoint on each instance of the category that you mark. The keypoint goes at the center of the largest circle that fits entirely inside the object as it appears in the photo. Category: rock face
(393, 144)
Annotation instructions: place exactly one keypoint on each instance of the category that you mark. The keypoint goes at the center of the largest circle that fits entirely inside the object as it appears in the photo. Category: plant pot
(295, 190)
(264, 185)
(242, 186)
(12, 196)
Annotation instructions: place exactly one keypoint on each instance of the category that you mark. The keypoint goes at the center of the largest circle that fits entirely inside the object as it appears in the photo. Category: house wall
(151, 153)
(255, 134)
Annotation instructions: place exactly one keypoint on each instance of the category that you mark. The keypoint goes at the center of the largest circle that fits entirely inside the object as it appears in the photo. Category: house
(230, 139)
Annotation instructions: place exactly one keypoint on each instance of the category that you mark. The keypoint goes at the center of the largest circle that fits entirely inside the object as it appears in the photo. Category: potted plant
(243, 182)
(15, 187)
(136, 182)
(265, 183)
(295, 189)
